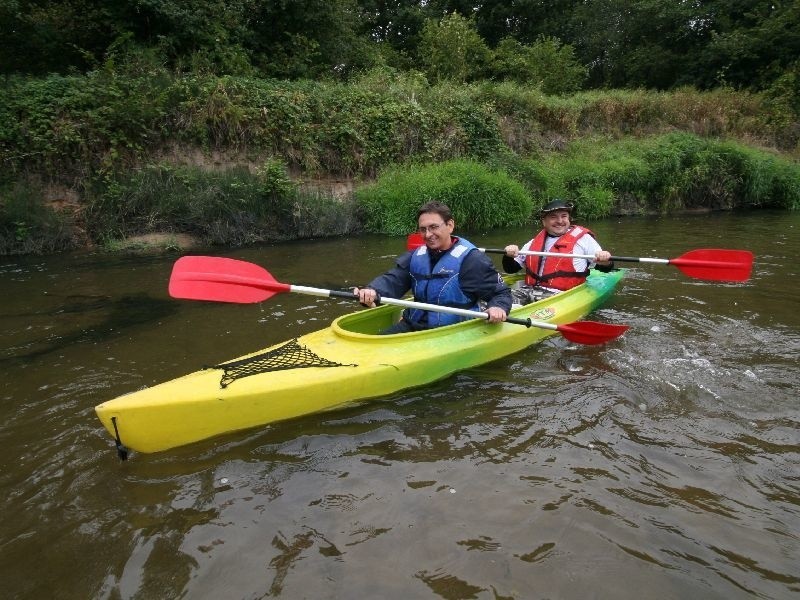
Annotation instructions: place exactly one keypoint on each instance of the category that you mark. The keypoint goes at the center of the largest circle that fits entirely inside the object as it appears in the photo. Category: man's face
(556, 222)
(435, 231)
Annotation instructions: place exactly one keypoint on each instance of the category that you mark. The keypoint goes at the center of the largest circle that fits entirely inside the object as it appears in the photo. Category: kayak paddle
(705, 263)
(230, 280)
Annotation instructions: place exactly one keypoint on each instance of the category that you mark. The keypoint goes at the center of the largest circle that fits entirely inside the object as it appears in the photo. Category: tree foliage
(452, 49)
(546, 64)
(655, 44)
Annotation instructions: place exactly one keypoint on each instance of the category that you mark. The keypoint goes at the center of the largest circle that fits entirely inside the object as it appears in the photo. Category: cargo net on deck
(289, 356)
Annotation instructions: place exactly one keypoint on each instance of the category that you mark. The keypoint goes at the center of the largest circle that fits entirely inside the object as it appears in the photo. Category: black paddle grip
(515, 321)
(351, 296)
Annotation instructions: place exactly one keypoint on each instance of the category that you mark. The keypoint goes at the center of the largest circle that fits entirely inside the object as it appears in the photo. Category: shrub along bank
(126, 147)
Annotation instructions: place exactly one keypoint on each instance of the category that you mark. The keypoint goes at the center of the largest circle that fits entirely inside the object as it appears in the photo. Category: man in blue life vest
(545, 276)
(447, 270)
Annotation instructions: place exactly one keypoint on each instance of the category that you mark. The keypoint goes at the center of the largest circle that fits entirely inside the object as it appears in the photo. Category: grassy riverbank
(98, 158)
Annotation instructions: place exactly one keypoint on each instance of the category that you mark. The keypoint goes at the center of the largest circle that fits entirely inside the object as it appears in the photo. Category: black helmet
(556, 205)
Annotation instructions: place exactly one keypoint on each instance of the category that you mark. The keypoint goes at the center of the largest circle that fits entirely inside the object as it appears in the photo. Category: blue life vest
(439, 284)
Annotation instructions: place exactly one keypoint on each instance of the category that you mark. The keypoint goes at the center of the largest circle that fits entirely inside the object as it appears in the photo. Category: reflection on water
(93, 319)
(664, 461)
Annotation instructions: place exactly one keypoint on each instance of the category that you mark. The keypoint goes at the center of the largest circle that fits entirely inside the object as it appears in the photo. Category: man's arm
(512, 260)
(588, 245)
(510, 264)
(395, 282)
(481, 281)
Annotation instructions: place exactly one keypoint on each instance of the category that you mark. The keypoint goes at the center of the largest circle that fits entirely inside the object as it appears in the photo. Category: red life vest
(558, 273)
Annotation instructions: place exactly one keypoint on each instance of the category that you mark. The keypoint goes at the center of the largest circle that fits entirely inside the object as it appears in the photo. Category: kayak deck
(328, 368)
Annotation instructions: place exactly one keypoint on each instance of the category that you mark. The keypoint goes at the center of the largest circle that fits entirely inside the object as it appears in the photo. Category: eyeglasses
(432, 228)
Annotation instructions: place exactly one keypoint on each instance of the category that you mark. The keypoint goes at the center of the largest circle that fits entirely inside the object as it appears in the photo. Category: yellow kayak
(326, 369)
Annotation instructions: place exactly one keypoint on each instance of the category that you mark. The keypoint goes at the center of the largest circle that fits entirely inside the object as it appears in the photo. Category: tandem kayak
(327, 369)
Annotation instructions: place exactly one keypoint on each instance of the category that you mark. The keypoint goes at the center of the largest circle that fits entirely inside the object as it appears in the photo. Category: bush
(670, 172)
(480, 197)
(27, 225)
(233, 207)
(548, 65)
(80, 126)
(452, 49)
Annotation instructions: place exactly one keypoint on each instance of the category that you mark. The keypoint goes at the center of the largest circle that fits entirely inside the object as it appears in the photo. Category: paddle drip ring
(289, 356)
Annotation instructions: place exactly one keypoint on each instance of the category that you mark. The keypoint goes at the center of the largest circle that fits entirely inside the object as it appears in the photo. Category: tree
(394, 22)
(524, 20)
(547, 63)
(752, 43)
(451, 49)
(658, 44)
(312, 38)
(42, 36)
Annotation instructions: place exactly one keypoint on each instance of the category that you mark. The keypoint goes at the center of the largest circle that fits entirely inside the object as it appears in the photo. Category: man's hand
(512, 250)
(602, 257)
(366, 296)
(496, 315)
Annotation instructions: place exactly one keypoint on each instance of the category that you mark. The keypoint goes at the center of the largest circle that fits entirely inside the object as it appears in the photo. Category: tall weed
(480, 197)
(110, 121)
(233, 207)
(670, 172)
(27, 225)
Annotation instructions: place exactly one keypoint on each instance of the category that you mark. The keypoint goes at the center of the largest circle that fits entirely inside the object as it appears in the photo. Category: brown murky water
(664, 464)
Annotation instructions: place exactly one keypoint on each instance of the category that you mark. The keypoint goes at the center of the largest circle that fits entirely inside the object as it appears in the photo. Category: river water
(663, 464)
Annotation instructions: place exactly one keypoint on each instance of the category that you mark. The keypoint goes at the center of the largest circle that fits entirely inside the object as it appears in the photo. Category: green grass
(27, 225)
(663, 173)
(79, 126)
(479, 196)
(232, 207)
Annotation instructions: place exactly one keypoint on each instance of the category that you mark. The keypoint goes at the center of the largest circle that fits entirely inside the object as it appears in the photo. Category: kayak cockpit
(370, 322)
(366, 322)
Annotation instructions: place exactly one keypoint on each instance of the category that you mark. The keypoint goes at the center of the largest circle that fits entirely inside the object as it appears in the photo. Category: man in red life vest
(548, 275)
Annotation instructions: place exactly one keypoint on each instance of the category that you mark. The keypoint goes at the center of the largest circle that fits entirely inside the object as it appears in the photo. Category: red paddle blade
(222, 280)
(714, 264)
(591, 332)
(414, 241)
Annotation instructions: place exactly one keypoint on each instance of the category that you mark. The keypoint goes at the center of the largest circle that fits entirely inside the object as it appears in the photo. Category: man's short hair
(434, 206)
